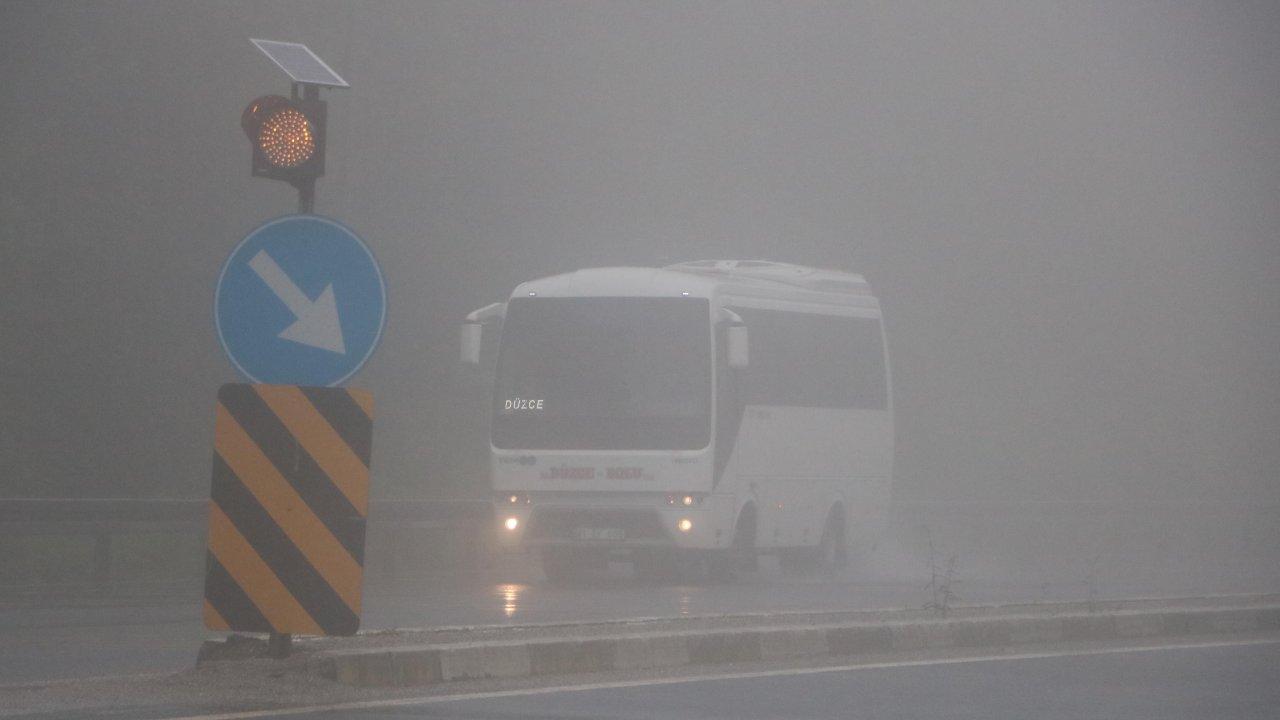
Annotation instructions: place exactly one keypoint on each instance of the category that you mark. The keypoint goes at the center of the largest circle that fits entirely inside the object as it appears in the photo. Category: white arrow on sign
(317, 324)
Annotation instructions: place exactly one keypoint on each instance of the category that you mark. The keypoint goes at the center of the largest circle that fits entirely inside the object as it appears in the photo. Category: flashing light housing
(287, 137)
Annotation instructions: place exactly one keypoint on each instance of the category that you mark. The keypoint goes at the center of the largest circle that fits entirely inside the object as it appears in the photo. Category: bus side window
(814, 360)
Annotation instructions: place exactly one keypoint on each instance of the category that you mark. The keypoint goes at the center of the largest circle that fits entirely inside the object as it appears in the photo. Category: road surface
(1231, 682)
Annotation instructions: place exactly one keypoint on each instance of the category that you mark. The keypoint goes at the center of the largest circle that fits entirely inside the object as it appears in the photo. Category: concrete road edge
(432, 664)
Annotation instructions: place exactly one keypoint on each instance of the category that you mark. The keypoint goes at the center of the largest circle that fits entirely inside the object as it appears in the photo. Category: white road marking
(433, 699)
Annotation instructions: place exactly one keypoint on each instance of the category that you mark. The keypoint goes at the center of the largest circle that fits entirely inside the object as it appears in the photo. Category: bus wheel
(833, 548)
(828, 556)
(742, 556)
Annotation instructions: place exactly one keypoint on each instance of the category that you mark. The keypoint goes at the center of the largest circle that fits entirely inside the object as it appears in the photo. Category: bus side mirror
(737, 342)
(470, 337)
(473, 330)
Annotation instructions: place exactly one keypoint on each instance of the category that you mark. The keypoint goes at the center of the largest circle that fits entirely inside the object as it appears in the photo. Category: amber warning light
(287, 137)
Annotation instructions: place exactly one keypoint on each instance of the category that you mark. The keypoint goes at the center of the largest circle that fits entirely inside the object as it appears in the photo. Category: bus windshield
(612, 373)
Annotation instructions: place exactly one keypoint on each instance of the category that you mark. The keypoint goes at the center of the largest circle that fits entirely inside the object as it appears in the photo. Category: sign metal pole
(280, 645)
(307, 190)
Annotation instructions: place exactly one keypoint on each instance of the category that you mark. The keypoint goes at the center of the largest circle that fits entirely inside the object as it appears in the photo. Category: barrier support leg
(279, 645)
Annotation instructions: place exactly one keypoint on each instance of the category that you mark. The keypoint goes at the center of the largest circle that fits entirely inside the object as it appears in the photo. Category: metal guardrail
(97, 510)
(402, 533)
(100, 521)
(184, 510)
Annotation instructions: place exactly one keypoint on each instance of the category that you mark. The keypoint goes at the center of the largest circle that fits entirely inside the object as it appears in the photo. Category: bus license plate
(599, 534)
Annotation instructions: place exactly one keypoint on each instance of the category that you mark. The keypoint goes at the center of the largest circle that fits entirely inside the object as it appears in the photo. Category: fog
(1070, 213)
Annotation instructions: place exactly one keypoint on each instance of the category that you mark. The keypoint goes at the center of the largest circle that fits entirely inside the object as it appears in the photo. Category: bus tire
(742, 556)
(830, 555)
(833, 547)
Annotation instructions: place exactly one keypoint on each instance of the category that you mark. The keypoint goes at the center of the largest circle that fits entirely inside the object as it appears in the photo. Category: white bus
(708, 411)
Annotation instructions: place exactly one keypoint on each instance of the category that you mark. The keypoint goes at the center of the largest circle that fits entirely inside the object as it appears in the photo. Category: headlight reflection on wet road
(510, 594)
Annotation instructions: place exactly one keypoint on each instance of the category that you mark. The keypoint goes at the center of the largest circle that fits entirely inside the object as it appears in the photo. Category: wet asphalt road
(1239, 682)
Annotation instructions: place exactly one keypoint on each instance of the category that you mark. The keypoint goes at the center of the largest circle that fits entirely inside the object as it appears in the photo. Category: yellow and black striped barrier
(287, 513)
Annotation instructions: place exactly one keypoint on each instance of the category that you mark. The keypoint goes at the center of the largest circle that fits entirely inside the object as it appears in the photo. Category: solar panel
(300, 63)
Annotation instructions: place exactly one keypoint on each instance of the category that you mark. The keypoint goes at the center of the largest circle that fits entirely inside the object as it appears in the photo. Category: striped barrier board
(290, 496)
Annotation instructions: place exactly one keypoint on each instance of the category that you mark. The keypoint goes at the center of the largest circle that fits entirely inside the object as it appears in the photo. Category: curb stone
(431, 664)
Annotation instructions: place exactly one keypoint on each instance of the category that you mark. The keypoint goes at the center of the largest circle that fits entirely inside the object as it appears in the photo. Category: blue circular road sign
(301, 301)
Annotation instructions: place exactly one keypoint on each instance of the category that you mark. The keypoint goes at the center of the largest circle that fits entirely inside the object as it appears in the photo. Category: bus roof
(705, 278)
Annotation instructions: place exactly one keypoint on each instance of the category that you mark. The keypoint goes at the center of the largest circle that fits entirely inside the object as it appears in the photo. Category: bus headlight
(512, 523)
(684, 525)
